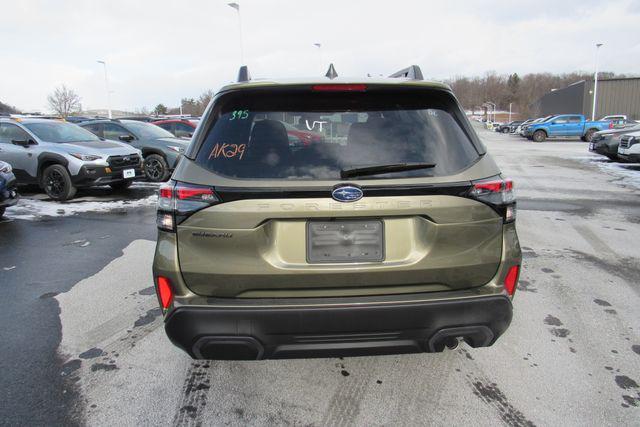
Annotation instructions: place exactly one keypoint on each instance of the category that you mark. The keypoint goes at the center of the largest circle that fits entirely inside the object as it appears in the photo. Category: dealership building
(615, 96)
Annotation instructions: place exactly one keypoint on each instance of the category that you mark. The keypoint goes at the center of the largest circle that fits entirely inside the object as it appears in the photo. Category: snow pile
(31, 209)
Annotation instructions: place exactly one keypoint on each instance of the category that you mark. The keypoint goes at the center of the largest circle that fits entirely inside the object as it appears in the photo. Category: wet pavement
(83, 341)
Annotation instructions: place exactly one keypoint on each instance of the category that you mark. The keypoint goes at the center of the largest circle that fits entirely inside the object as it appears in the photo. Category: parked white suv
(629, 148)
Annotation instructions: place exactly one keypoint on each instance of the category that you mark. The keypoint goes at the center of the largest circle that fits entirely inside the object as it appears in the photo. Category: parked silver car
(61, 157)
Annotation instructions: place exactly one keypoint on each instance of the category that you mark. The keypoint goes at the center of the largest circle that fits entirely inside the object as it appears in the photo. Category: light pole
(488, 114)
(493, 109)
(106, 85)
(319, 46)
(595, 84)
(236, 6)
(510, 111)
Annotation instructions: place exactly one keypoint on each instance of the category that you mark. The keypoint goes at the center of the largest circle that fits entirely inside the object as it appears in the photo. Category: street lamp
(595, 84)
(488, 114)
(319, 46)
(106, 85)
(493, 108)
(236, 6)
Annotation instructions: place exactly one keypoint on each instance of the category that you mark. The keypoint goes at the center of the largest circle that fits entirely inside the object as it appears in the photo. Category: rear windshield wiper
(379, 169)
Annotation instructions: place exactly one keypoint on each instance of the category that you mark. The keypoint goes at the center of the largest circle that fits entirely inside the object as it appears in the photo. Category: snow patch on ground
(627, 173)
(33, 209)
(99, 199)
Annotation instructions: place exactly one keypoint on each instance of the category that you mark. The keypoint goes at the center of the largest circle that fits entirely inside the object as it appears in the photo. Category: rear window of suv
(300, 134)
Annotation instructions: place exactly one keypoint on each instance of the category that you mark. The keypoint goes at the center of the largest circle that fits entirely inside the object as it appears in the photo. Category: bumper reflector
(165, 293)
(511, 280)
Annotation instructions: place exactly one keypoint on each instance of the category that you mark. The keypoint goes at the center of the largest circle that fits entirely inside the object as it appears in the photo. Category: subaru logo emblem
(347, 193)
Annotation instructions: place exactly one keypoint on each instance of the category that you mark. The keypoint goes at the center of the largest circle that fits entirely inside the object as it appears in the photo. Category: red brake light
(494, 186)
(177, 201)
(511, 279)
(166, 192)
(340, 88)
(165, 292)
(497, 193)
(201, 193)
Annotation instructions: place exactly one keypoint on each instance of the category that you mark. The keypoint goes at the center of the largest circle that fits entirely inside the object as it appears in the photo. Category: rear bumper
(8, 198)
(8, 193)
(251, 332)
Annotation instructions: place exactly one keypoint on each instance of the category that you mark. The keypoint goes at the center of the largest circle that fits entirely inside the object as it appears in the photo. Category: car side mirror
(23, 142)
(126, 138)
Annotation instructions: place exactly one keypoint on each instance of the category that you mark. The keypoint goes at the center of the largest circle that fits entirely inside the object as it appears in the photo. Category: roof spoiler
(243, 74)
(412, 72)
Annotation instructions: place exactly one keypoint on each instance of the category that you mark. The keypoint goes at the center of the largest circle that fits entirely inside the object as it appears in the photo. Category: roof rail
(412, 72)
(331, 72)
(243, 74)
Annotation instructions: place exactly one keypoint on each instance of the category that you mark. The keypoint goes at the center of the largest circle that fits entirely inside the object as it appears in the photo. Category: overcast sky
(160, 51)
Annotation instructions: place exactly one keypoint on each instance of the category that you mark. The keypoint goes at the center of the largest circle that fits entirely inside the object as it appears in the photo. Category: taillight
(165, 291)
(177, 201)
(340, 88)
(497, 193)
(511, 280)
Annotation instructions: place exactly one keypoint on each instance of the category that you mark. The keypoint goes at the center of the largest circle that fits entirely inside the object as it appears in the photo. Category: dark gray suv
(160, 149)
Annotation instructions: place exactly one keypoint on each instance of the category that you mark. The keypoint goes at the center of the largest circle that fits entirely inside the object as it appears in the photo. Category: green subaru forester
(335, 217)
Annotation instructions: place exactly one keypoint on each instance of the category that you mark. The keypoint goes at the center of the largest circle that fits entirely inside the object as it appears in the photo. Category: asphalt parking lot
(83, 341)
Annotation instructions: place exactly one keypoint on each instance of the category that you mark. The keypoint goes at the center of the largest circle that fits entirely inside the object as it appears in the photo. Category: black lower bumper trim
(631, 158)
(251, 333)
(95, 176)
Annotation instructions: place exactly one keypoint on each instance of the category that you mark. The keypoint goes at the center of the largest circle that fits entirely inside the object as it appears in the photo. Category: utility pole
(510, 111)
(595, 84)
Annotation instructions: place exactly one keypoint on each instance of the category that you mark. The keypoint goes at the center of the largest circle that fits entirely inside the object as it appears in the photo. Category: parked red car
(300, 138)
(181, 128)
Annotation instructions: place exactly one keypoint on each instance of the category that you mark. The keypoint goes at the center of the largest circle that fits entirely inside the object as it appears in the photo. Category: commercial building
(615, 96)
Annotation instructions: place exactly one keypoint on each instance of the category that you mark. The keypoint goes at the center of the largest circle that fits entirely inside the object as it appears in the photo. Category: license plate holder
(129, 173)
(345, 241)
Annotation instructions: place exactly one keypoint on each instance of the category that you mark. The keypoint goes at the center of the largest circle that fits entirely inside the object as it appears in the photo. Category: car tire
(156, 168)
(539, 136)
(121, 185)
(505, 130)
(56, 182)
(589, 135)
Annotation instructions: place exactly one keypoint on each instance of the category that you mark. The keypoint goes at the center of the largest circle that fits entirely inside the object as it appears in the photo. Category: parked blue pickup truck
(566, 125)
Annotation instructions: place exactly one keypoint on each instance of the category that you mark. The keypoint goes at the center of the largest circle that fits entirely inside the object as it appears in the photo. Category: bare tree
(64, 101)
(523, 91)
(194, 106)
(204, 100)
(141, 111)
